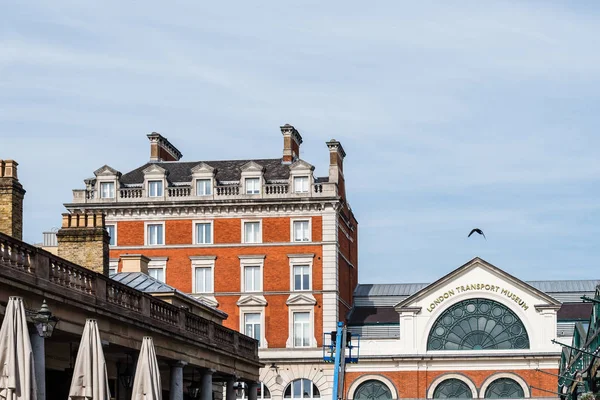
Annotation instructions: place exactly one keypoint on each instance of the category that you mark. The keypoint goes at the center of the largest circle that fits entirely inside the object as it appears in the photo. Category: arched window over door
(301, 389)
(478, 324)
(372, 390)
(504, 388)
(452, 389)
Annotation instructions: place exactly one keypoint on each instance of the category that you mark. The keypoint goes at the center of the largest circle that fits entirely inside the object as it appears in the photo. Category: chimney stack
(135, 263)
(336, 165)
(83, 240)
(11, 200)
(291, 143)
(161, 149)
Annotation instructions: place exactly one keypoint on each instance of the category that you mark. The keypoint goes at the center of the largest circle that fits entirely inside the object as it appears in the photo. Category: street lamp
(194, 388)
(126, 377)
(44, 321)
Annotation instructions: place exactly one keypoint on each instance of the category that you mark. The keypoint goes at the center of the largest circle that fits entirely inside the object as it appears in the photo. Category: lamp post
(44, 323)
(126, 377)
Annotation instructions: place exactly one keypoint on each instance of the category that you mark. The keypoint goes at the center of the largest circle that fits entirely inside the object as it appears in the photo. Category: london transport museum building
(275, 247)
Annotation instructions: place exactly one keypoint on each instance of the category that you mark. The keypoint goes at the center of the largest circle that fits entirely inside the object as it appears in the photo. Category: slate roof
(147, 284)
(408, 289)
(226, 170)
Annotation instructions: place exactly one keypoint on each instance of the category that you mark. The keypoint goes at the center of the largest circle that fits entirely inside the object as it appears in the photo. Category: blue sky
(452, 115)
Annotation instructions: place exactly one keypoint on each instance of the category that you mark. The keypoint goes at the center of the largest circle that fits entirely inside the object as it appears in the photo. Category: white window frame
(210, 185)
(260, 324)
(114, 225)
(311, 331)
(307, 178)
(244, 221)
(309, 269)
(292, 230)
(203, 262)
(253, 179)
(251, 261)
(100, 191)
(194, 231)
(113, 265)
(300, 260)
(162, 187)
(255, 309)
(164, 233)
(158, 263)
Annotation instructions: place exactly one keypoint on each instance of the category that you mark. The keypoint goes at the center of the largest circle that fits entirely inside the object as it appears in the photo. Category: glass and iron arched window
(504, 388)
(372, 390)
(478, 324)
(301, 389)
(452, 389)
(241, 391)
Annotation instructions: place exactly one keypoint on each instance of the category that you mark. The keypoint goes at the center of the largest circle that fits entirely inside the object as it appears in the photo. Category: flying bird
(477, 230)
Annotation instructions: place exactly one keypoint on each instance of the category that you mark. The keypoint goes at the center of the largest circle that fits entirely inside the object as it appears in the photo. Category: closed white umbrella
(90, 380)
(146, 384)
(17, 377)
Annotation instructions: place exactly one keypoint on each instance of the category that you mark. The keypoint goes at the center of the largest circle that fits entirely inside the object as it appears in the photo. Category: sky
(453, 115)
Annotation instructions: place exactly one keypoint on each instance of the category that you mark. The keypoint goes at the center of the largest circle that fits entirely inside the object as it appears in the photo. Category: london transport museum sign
(478, 287)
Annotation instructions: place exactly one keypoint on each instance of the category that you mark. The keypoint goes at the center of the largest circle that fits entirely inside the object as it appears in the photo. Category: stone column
(176, 382)
(252, 388)
(206, 389)
(229, 389)
(38, 347)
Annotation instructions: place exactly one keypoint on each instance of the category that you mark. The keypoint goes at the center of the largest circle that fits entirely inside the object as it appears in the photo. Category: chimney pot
(291, 143)
(161, 149)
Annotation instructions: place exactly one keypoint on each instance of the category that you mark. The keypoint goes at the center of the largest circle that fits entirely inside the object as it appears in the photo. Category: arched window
(241, 391)
(504, 388)
(372, 390)
(301, 389)
(478, 324)
(452, 389)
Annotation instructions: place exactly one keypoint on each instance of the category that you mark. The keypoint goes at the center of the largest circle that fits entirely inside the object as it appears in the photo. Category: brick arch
(278, 381)
(371, 377)
(444, 377)
(488, 381)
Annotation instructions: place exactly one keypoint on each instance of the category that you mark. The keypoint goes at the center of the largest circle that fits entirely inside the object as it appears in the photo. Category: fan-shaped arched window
(372, 390)
(504, 388)
(478, 324)
(301, 389)
(452, 389)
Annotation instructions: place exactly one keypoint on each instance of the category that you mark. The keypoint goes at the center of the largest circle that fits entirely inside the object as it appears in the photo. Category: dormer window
(107, 190)
(301, 184)
(252, 185)
(155, 188)
(203, 187)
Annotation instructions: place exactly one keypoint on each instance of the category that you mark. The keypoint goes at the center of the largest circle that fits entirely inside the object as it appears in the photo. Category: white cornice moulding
(252, 301)
(301, 300)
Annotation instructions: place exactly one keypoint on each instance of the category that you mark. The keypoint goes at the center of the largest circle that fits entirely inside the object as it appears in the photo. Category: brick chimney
(161, 149)
(291, 143)
(336, 165)
(11, 200)
(134, 263)
(83, 240)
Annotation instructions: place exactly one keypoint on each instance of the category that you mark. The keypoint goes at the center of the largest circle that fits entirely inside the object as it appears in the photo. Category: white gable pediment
(154, 170)
(203, 168)
(478, 278)
(301, 300)
(301, 165)
(252, 301)
(252, 166)
(106, 171)
(209, 300)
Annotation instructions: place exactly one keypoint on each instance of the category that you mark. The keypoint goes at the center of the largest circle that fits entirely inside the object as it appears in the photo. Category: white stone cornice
(301, 299)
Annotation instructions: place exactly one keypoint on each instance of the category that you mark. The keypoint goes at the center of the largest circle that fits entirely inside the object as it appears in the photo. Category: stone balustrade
(30, 265)
(221, 192)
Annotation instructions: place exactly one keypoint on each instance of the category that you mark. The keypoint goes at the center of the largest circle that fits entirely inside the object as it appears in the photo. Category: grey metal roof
(408, 289)
(147, 284)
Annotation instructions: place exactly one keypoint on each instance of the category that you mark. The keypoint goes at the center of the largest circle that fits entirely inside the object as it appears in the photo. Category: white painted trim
(299, 260)
(508, 375)
(164, 233)
(255, 310)
(158, 263)
(251, 261)
(99, 184)
(444, 377)
(162, 182)
(297, 309)
(244, 221)
(212, 186)
(292, 221)
(212, 230)
(380, 378)
(203, 262)
(116, 235)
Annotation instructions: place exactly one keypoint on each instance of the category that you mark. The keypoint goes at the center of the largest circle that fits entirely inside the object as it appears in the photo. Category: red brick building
(265, 240)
